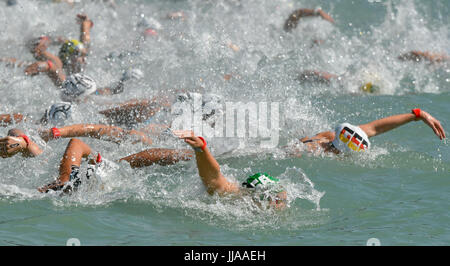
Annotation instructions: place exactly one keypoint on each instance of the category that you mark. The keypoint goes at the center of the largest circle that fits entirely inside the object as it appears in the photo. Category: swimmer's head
(70, 49)
(369, 87)
(77, 86)
(259, 180)
(57, 114)
(350, 138)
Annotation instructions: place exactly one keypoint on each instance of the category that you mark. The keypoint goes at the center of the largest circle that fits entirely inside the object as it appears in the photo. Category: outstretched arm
(388, 123)
(158, 156)
(295, 16)
(209, 169)
(135, 111)
(76, 150)
(418, 56)
(103, 132)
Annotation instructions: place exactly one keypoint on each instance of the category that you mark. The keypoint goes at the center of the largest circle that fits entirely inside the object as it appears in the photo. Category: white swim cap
(78, 85)
(350, 138)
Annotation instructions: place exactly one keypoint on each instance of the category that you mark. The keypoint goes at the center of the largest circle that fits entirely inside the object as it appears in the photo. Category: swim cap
(58, 113)
(259, 180)
(370, 88)
(78, 85)
(70, 48)
(350, 138)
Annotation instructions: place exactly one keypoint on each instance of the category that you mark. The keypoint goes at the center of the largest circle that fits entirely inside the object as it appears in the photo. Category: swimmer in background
(326, 78)
(418, 56)
(292, 21)
(71, 57)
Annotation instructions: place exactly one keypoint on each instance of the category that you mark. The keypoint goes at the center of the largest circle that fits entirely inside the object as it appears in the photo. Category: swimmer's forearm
(93, 131)
(383, 125)
(76, 150)
(212, 177)
(157, 156)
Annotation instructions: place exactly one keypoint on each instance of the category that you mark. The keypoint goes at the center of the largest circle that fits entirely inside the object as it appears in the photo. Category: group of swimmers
(67, 72)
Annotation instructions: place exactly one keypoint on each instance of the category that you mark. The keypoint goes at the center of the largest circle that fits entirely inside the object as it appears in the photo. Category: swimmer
(372, 83)
(349, 138)
(292, 21)
(317, 76)
(418, 56)
(69, 170)
(71, 57)
(216, 183)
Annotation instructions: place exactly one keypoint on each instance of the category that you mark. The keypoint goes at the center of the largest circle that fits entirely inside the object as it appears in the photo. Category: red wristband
(26, 138)
(50, 64)
(99, 158)
(416, 112)
(56, 133)
(204, 143)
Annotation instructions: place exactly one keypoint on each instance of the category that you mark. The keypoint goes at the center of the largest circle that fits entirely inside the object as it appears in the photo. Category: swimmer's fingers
(82, 17)
(183, 133)
(434, 124)
(440, 129)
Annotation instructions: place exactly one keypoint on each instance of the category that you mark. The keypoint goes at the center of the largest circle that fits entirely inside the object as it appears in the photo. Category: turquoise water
(397, 193)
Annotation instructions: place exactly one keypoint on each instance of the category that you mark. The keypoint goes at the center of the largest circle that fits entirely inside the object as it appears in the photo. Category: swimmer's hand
(82, 18)
(189, 137)
(433, 123)
(10, 146)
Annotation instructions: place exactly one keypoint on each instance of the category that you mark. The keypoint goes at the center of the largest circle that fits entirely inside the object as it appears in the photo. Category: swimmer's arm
(158, 156)
(136, 110)
(209, 169)
(85, 32)
(386, 124)
(113, 133)
(418, 55)
(295, 16)
(76, 150)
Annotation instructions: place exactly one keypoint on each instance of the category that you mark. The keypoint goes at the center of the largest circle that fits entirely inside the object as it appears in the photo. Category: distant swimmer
(72, 54)
(350, 138)
(369, 82)
(294, 17)
(317, 76)
(419, 56)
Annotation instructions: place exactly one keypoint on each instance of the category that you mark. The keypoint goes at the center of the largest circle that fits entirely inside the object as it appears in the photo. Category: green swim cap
(70, 48)
(259, 179)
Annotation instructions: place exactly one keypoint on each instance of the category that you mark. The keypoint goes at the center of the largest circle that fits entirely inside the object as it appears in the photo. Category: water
(397, 193)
